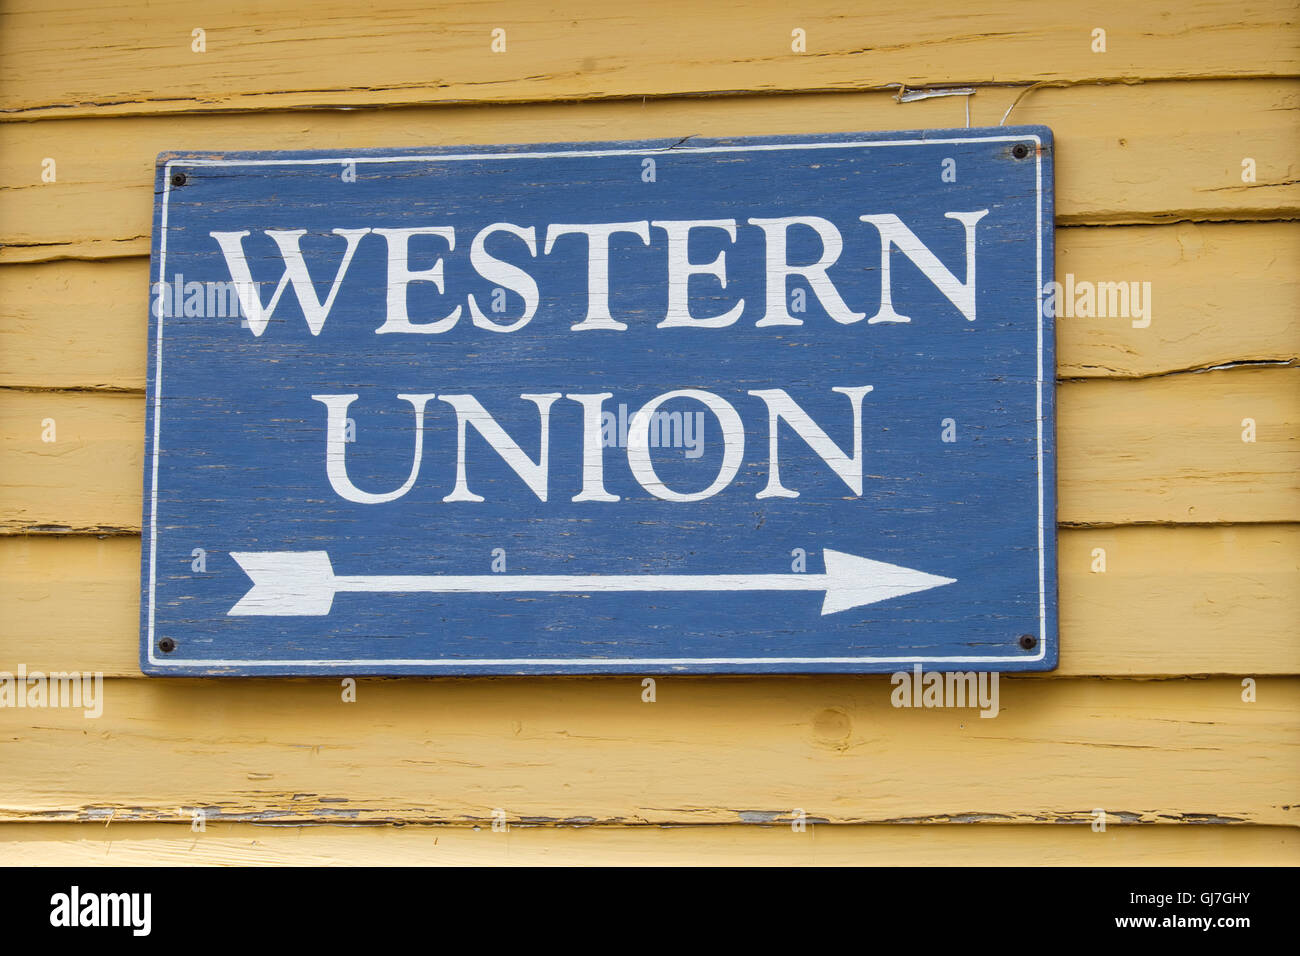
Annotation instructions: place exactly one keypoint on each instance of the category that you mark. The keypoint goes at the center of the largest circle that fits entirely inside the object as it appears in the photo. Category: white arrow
(304, 583)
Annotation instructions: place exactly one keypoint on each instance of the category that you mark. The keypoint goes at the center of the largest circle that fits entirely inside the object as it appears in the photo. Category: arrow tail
(285, 583)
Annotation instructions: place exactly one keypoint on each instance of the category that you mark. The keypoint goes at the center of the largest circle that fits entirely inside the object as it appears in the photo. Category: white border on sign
(603, 661)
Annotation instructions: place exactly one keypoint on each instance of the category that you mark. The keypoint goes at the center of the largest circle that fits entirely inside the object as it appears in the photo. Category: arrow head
(852, 581)
(285, 583)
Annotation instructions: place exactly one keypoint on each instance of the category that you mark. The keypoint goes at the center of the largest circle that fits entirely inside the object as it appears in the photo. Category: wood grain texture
(557, 750)
(1165, 449)
(1174, 600)
(247, 844)
(1171, 448)
(58, 61)
(1184, 600)
(1220, 293)
(1157, 152)
(93, 467)
(71, 324)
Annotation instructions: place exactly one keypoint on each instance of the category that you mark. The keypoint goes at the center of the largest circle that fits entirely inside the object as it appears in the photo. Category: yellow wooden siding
(729, 750)
(135, 57)
(245, 844)
(1201, 531)
(1155, 152)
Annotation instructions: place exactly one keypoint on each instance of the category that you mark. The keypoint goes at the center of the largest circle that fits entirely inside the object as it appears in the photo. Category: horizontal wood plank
(91, 471)
(1172, 448)
(707, 751)
(1165, 449)
(1156, 601)
(1157, 152)
(60, 59)
(75, 324)
(248, 844)
(1219, 293)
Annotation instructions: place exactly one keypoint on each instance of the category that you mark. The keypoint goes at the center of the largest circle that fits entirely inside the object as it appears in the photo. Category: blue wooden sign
(711, 406)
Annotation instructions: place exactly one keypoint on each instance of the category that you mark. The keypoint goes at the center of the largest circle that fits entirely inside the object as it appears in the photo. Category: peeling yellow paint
(1197, 592)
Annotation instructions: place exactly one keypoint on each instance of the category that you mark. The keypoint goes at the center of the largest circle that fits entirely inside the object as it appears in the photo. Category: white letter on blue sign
(680, 270)
(638, 445)
(336, 448)
(893, 232)
(504, 274)
(780, 405)
(593, 448)
(400, 275)
(598, 234)
(779, 269)
(470, 412)
(295, 271)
